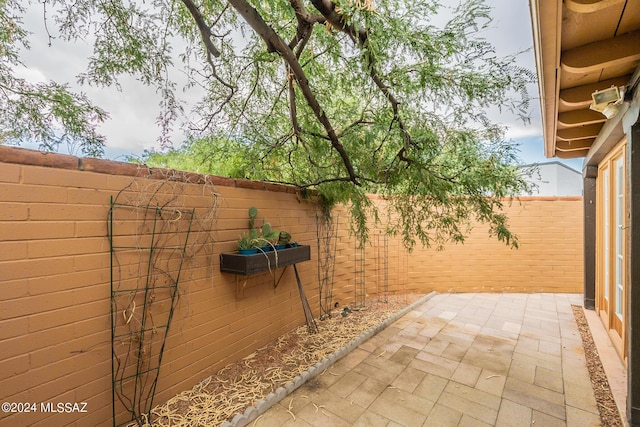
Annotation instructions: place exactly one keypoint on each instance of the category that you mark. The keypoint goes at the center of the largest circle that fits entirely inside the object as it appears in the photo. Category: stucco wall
(555, 179)
(55, 273)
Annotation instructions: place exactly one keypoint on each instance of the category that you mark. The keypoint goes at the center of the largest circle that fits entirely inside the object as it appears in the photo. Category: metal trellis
(148, 245)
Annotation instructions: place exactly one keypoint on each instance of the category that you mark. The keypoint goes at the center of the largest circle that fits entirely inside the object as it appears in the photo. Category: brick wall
(55, 328)
(55, 274)
(549, 257)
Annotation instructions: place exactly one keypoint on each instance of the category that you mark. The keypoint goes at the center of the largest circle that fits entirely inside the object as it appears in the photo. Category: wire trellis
(359, 271)
(143, 302)
(151, 234)
(382, 262)
(326, 231)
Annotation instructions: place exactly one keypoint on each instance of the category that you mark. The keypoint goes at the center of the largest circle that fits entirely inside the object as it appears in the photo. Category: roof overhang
(583, 47)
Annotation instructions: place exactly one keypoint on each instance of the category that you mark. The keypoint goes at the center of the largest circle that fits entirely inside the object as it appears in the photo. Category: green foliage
(253, 213)
(346, 97)
(248, 242)
(209, 155)
(45, 113)
(466, 179)
(283, 238)
(268, 233)
(257, 238)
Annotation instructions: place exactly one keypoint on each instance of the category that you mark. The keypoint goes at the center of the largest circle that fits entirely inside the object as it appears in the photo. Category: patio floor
(457, 360)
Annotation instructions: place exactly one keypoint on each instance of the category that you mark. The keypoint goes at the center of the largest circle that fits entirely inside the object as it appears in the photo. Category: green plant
(268, 233)
(253, 213)
(284, 238)
(246, 241)
(257, 238)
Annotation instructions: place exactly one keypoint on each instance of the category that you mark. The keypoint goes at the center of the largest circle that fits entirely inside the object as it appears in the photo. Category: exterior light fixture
(607, 101)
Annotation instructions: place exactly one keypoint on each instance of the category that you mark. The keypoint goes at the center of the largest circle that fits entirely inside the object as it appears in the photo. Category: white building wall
(555, 179)
(569, 182)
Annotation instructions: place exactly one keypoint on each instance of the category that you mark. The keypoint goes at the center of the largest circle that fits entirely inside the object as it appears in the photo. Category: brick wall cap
(506, 199)
(26, 156)
(549, 198)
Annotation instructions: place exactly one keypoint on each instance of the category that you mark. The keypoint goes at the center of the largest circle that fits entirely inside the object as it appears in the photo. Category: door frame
(607, 237)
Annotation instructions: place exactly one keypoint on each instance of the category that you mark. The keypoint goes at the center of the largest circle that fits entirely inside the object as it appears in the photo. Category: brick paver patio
(457, 360)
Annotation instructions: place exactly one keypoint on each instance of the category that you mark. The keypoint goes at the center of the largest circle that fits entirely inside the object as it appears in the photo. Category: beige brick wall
(549, 257)
(55, 329)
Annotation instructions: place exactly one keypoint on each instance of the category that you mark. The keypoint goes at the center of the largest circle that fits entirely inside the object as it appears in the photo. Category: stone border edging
(253, 412)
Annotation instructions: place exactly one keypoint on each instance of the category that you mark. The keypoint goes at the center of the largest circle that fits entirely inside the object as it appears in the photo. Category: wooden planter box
(248, 265)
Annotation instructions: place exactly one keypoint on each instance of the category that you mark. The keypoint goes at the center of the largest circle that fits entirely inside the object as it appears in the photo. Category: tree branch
(293, 111)
(205, 31)
(360, 121)
(321, 181)
(360, 38)
(275, 44)
(206, 35)
(305, 24)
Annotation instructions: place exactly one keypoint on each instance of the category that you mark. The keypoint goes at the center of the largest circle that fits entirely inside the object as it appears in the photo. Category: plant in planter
(253, 213)
(271, 236)
(283, 240)
(248, 244)
(257, 239)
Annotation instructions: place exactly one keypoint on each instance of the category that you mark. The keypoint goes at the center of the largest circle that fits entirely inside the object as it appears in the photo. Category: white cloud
(521, 131)
(32, 75)
(133, 111)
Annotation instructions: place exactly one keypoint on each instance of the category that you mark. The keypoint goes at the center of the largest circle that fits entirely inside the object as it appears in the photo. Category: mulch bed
(609, 414)
(237, 386)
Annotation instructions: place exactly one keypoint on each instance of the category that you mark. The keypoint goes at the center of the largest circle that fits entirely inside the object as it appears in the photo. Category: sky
(132, 127)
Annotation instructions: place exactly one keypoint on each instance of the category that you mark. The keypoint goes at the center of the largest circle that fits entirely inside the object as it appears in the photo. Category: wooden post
(633, 291)
(589, 199)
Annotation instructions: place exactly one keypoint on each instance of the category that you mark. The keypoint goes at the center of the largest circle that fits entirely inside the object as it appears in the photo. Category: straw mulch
(240, 385)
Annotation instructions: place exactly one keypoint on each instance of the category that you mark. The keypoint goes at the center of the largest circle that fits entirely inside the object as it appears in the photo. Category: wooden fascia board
(546, 18)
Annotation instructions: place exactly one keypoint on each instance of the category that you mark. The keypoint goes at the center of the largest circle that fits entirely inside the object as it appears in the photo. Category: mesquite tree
(344, 96)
